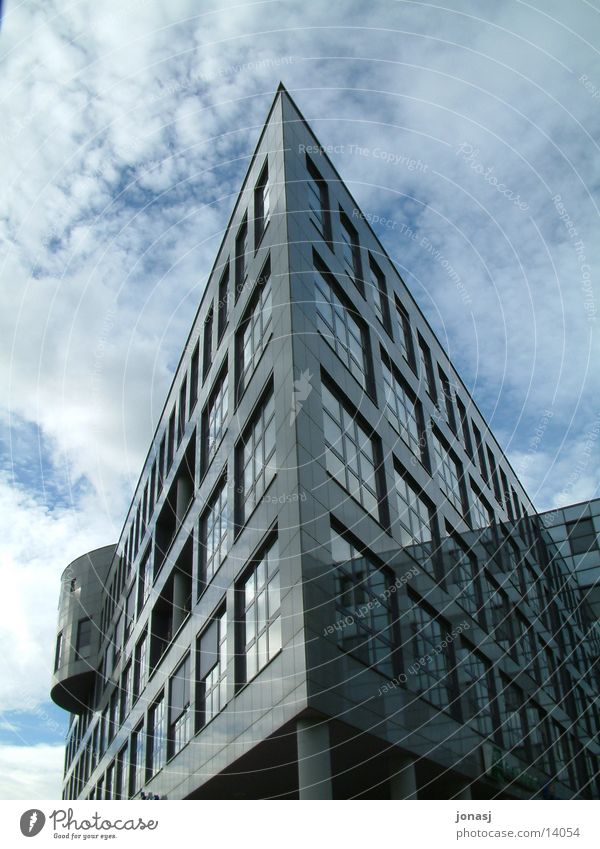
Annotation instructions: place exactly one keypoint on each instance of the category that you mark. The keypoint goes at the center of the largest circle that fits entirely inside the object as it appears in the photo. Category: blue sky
(472, 128)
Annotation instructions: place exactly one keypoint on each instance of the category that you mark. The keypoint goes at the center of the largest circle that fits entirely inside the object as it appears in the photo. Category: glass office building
(330, 582)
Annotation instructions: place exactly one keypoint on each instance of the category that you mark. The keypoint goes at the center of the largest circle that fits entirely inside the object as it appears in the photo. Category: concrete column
(462, 790)
(403, 777)
(314, 759)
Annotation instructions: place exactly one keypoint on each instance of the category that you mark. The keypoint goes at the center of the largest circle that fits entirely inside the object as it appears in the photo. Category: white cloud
(31, 772)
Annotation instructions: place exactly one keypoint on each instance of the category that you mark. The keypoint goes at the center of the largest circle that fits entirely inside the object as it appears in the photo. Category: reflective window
(341, 329)
(256, 458)
(318, 201)
(380, 295)
(449, 472)
(582, 536)
(403, 411)
(481, 514)
(364, 606)
(180, 725)
(140, 672)
(514, 728)
(254, 333)
(261, 206)
(262, 611)
(241, 260)
(351, 251)
(216, 417)
(138, 753)
(212, 669)
(477, 689)
(214, 532)
(416, 514)
(157, 738)
(349, 453)
(462, 575)
(428, 664)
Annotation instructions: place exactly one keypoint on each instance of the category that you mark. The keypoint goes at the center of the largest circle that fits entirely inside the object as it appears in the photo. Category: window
(539, 742)
(140, 671)
(84, 637)
(351, 252)
(406, 340)
(261, 206)
(143, 522)
(514, 727)
(223, 305)
(180, 724)
(480, 453)
(161, 466)
(156, 737)
(581, 535)
(58, 652)
(125, 693)
(462, 573)
(213, 534)
(477, 689)
(181, 410)
(241, 250)
(207, 344)
(426, 369)
(145, 580)
(129, 613)
(447, 393)
(464, 426)
(261, 603)
(380, 295)
(256, 460)
(215, 417)
(449, 472)
(254, 332)
(403, 411)
(506, 496)
(340, 327)
(318, 201)
(416, 513)
(481, 513)
(501, 616)
(494, 474)
(170, 442)
(433, 678)
(194, 372)
(121, 774)
(365, 606)
(526, 647)
(350, 453)
(114, 717)
(212, 669)
(137, 766)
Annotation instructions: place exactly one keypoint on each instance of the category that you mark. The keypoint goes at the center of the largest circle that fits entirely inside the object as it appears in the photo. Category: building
(330, 581)
(576, 532)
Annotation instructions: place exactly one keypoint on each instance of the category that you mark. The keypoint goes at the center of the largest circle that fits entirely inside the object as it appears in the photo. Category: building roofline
(281, 88)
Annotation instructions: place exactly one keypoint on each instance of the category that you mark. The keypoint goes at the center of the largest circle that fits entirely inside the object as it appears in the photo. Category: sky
(467, 132)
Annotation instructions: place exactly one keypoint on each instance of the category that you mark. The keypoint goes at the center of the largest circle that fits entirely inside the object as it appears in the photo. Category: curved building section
(76, 659)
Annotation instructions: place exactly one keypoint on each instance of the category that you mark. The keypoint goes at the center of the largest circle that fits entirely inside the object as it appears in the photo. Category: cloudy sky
(125, 133)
